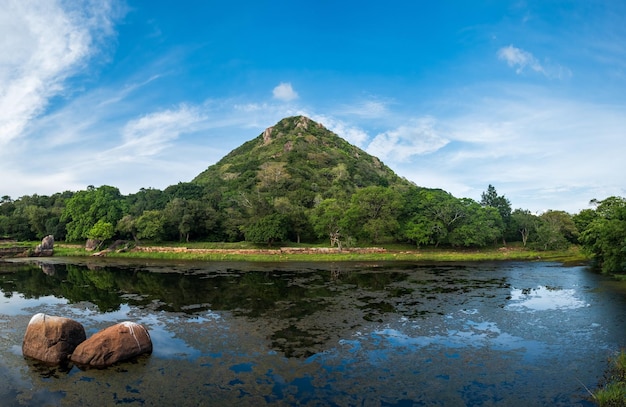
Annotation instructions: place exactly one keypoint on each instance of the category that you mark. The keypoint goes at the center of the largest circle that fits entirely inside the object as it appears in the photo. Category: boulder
(46, 248)
(52, 339)
(113, 344)
(92, 244)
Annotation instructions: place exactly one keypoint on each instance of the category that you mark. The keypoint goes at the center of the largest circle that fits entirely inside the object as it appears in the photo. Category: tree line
(370, 215)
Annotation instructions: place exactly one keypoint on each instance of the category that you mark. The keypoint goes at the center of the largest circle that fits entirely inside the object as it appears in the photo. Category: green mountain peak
(300, 159)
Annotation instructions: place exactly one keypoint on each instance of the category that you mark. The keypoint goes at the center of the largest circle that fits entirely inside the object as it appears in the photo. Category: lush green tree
(101, 231)
(584, 218)
(37, 218)
(430, 215)
(268, 229)
(85, 208)
(187, 217)
(150, 225)
(501, 203)
(185, 190)
(373, 214)
(524, 223)
(479, 226)
(565, 223)
(555, 230)
(295, 215)
(421, 230)
(127, 226)
(605, 236)
(232, 224)
(326, 219)
(146, 199)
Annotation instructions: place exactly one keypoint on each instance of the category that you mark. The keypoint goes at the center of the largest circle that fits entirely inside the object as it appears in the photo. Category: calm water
(366, 334)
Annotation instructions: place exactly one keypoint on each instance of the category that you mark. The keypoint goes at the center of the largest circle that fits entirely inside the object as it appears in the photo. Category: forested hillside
(299, 182)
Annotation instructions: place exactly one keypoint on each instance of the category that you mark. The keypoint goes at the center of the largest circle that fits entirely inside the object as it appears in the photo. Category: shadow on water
(335, 334)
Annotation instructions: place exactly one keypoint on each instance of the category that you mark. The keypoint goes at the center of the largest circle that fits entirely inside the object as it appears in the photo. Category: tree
(432, 215)
(128, 226)
(101, 231)
(373, 213)
(479, 226)
(268, 229)
(186, 217)
(326, 218)
(295, 215)
(605, 236)
(524, 223)
(150, 225)
(555, 230)
(85, 208)
(502, 204)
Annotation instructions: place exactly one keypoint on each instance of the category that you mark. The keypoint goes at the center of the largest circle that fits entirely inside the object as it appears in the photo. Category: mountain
(298, 159)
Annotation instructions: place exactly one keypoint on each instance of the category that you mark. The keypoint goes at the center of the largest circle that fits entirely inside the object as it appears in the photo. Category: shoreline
(572, 255)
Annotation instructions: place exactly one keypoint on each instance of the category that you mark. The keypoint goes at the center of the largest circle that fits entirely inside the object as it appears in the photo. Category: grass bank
(249, 252)
(613, 392)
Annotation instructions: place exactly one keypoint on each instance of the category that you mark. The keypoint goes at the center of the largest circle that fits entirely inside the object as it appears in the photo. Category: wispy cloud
(43, 44)
(519, 59)
(351, 133)
(400, 144)
(284, 91)
(522, 60)
(150, 134)
(365, 109)
(532, 146)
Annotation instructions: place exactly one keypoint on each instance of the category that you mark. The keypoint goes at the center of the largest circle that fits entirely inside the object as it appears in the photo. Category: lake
(331, 334)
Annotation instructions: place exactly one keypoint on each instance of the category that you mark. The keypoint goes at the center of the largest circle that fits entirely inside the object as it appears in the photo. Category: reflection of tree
(297, 306)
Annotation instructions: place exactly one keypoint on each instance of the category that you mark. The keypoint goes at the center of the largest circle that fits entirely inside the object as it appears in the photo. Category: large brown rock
(52, 339)
(46, 248)
(113, 344)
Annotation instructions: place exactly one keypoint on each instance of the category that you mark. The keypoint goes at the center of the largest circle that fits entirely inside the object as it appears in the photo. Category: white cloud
(284, 92)
(418, 138)
(41, 46)
(538, 150)
(366, 109)
(520, 60)
(150, 134)
(349, 133)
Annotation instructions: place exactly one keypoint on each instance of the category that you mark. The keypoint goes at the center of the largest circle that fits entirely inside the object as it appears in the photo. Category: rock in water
(113, 344)
(52, 339)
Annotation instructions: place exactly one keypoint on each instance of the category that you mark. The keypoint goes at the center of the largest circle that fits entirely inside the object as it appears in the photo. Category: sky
(528, 96)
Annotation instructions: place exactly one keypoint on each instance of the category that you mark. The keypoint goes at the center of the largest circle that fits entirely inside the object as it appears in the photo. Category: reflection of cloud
(545, 298)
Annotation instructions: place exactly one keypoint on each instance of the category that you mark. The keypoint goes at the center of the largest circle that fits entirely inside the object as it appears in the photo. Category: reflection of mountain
(299, 310)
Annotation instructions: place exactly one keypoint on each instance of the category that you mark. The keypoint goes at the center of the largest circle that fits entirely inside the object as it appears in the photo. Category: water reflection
(348, 334)
(545, 298)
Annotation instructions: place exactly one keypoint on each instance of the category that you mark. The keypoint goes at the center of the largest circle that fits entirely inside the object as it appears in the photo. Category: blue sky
(529, 96)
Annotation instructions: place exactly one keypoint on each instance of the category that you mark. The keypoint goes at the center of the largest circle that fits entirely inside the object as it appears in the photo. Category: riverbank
(242, 252)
